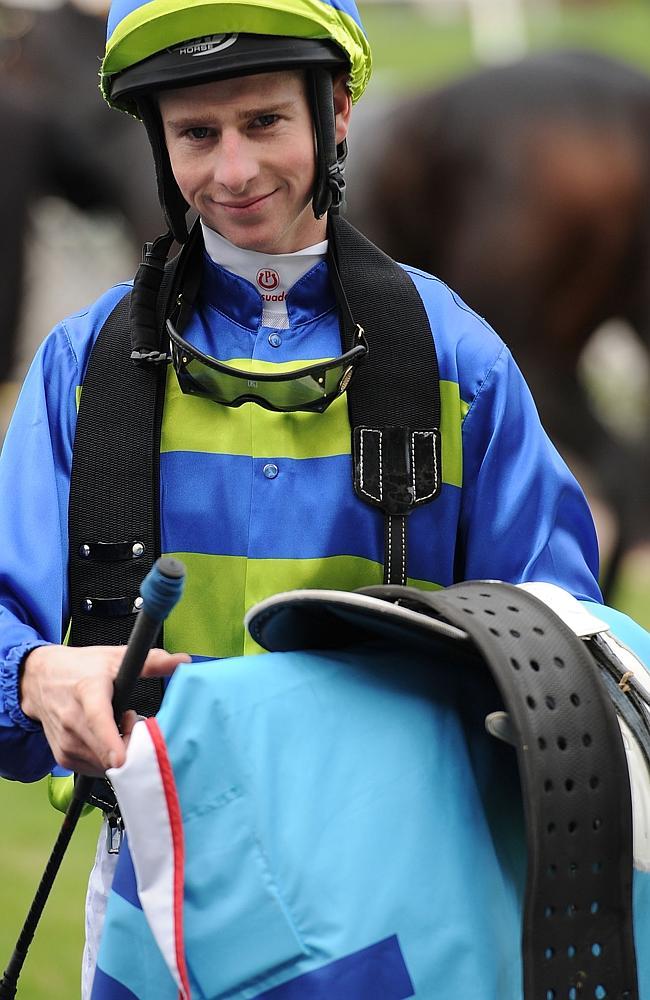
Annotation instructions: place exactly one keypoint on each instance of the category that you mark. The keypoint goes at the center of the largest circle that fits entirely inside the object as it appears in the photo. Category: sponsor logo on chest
(268, 280)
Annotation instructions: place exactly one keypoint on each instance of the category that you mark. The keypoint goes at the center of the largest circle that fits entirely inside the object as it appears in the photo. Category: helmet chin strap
(329, 184)
(171, 200)
(330, 181)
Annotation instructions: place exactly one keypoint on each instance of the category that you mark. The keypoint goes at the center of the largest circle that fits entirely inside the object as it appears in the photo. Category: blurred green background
(411, 47)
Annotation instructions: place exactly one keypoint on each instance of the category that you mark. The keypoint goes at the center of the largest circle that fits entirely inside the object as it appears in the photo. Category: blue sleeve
(34, 490)
(34, 485)
(524, 516)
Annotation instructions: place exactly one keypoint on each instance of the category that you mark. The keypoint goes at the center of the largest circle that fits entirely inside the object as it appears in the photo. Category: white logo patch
(268, 279)
(205, 46)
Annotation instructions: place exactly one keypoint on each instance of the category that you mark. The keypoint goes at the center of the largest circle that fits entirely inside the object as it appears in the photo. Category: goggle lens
(310, 388)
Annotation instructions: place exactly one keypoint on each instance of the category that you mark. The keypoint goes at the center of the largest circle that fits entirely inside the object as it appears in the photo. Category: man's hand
(69, 691)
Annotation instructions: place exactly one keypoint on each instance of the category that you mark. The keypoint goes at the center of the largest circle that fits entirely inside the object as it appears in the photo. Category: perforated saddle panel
(577, 935)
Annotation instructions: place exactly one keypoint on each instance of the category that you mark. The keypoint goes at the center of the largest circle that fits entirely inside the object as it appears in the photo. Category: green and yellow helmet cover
(137, 29)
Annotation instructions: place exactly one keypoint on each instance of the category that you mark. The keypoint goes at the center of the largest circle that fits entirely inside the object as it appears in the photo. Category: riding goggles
(311, 388)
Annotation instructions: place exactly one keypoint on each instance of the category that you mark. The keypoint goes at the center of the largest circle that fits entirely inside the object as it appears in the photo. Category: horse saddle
(335, 818)
(576, 710)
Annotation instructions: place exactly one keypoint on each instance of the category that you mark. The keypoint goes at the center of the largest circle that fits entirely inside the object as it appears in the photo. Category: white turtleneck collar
(273, 275)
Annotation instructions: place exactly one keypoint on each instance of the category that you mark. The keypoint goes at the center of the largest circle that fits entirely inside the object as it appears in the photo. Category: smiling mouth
(250, 203)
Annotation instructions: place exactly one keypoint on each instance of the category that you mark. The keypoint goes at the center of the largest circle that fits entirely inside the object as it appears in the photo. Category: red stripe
(176, 824)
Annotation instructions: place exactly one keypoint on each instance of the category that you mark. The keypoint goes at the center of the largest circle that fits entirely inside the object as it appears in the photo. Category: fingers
(70, 691)
(160, 663)
(100, 745)
(86, 750)
(78, 749)
(97, 726)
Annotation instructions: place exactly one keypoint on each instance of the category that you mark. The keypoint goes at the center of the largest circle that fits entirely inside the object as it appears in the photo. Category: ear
(342, 106)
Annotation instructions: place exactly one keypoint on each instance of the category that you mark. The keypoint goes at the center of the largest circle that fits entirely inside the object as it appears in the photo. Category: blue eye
(200, 132)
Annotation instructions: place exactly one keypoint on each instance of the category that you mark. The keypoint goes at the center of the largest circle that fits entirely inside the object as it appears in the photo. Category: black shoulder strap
(394, 397)
(114, 518)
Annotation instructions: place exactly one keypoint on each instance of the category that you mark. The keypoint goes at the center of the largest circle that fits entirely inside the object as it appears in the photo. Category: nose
(236, 164)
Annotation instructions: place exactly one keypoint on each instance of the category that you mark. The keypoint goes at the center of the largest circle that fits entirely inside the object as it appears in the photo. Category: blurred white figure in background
(498, 29)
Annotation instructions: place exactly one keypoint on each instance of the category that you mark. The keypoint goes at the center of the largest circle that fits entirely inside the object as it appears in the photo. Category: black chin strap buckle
(336, 177)
(336, 184)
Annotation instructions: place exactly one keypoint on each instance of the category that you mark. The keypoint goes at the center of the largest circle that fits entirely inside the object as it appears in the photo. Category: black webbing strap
(114, 510)
(577, 931)
(114, 529)
(394, 397)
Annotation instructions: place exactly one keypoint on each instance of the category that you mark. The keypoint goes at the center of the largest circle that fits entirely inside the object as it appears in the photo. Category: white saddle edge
(354, 601)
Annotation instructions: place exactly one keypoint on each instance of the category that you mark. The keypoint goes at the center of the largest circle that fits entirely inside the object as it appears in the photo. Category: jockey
(247, 107)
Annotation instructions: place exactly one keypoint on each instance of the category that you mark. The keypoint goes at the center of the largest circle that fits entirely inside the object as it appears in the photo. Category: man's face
(243, 155)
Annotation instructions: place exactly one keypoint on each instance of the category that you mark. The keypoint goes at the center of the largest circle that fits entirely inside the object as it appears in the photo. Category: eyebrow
(203, 119)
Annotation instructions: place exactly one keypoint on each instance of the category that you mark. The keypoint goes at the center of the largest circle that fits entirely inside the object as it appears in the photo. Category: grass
(410, 49)
(27, 833)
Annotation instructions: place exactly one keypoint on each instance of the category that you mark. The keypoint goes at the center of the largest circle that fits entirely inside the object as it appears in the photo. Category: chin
(262, 243)
(245, 237)
(259, 246)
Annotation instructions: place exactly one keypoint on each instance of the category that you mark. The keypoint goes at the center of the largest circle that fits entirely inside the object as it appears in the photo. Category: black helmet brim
(219, 57)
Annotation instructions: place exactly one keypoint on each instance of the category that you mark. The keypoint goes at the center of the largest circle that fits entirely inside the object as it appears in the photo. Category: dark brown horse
(527, 189)
(58, 139)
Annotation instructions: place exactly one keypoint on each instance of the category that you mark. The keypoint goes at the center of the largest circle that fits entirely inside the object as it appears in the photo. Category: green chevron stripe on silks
(220, 589)
(159, 24)
(452, 413)
(193, 423)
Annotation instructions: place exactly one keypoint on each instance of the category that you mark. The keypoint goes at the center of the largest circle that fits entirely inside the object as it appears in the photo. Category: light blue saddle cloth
(349, 832)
